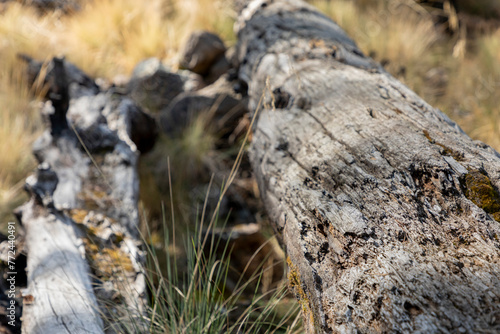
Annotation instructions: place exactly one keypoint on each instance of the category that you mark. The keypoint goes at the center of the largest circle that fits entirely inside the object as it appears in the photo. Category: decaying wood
(389, 213)
(83, 210)
(60, 297)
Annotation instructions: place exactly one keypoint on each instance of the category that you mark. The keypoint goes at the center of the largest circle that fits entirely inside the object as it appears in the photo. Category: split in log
(389, 213)
(83, 210)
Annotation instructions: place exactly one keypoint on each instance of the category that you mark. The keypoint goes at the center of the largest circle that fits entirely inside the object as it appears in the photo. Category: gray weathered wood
(59, 298)
(84, 261)
(389, 213)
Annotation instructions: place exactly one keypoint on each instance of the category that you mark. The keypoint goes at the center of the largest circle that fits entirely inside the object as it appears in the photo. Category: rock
(201, 51)
(219, 98)
(220, 67)
(192, 81)
(143, 129)
(153, 85)
(232, 57)
(147, 68)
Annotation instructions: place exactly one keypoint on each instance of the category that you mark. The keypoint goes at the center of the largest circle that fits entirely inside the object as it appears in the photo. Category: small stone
(201, 51)
(227, 107)
(153, 86)
(220, 67)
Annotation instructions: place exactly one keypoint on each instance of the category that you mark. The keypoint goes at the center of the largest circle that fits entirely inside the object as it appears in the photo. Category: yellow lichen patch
(110, 261)
(296, 286)
(428, 136)
(78, 215)
(482, 193)
(99, 194)
(293, 275)
(92, 231)
(90, 247)
(446, 150)
(119, 258)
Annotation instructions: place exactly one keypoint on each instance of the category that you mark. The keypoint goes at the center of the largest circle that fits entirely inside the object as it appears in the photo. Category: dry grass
(120, 33)
(472, 97)
(18, 129)
(18, 123)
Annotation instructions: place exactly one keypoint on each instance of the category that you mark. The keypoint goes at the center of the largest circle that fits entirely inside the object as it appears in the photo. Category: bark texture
(389, 213)
(81, 224)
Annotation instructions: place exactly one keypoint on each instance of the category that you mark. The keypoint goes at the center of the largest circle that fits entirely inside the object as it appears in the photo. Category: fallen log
(84, 263)
(388, 212)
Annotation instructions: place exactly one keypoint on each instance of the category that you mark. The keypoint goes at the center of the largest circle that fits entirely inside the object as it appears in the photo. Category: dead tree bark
(83, 257)
(389, 213)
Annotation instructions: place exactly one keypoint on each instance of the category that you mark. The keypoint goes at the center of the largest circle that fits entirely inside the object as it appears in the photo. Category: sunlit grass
(189, 280)
(399, 35)
(19, 124)
(120, 33)
(472, 98)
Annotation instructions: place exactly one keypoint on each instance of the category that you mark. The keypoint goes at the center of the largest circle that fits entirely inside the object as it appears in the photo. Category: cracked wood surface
(84, 263)
(59, 298)
(388, 212)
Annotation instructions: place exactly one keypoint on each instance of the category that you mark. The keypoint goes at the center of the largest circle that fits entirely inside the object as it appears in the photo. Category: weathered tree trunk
(81, 224)
(389, 213)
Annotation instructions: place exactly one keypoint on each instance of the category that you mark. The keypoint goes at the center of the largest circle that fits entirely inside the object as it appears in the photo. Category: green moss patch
(480, 191)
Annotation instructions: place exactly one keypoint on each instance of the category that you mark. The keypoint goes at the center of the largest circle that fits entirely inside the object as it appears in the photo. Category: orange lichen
(78, 215)
(446, 150)
(296, 286)
(109, 261)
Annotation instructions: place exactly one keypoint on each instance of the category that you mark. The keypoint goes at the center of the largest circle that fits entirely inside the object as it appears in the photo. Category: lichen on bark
(480, 191)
